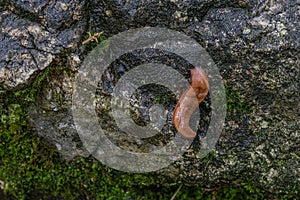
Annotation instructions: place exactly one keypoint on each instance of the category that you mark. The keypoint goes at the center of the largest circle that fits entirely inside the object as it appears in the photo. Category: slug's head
(199, 79)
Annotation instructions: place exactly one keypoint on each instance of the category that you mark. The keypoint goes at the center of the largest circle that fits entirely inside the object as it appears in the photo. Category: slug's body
(187, 103)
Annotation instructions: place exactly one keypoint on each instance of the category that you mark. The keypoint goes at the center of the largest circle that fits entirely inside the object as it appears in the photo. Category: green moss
(236, 104)
(31, 169)
(28, 165)
(163, 99)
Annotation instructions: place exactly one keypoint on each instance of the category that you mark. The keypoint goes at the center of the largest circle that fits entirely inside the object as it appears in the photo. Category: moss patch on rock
(32, 169)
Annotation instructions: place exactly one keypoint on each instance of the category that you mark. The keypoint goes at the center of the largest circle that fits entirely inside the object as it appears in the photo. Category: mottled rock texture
(255, 44)
(33, 34)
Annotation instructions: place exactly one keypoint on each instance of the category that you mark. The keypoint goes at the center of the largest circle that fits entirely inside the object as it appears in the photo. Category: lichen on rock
(254, 43)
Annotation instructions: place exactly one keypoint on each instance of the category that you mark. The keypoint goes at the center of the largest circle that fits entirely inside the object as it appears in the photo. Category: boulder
(255, 45)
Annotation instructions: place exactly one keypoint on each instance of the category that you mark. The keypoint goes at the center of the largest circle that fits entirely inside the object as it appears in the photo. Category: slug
(187, 104)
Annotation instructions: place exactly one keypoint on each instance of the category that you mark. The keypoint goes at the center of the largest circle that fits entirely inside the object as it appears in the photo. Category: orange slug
(187, 103)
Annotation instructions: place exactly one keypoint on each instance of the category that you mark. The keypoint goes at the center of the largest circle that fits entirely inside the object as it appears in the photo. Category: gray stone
(33, 34)
(255, 43)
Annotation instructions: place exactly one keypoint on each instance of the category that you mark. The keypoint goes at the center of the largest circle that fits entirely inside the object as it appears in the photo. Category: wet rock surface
(255, 45)
(33, 34)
